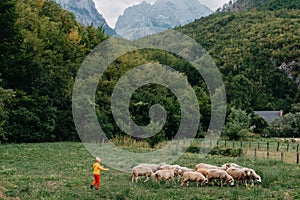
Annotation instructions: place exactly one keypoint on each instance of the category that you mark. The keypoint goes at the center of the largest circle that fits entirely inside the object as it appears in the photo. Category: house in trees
(273, 118)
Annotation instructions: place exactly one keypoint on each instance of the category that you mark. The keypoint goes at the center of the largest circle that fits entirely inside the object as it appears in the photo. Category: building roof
(269, 116)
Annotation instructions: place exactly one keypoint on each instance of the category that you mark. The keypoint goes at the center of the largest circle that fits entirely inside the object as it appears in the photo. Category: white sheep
(203, 171)
(217, 174)
(193, 176)
(230, 165)
(253, 176)
(180, 170)
(239, 174)
(206, 166)
(153, 167)
(138, 171)
(164, 175)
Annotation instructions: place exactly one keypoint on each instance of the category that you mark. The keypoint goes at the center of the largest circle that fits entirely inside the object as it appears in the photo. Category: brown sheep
(193, 176)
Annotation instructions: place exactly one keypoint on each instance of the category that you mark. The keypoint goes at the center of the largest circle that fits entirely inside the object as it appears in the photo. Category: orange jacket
(97, 167)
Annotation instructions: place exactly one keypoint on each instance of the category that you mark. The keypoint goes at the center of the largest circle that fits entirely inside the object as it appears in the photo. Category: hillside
(257, 53)
(272, 5)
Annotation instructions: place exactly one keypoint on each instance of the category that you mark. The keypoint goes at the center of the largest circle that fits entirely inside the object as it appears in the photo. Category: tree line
(42, 47)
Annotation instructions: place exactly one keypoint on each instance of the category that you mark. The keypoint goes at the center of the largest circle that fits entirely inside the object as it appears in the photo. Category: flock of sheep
(295, 140)
(229, 173)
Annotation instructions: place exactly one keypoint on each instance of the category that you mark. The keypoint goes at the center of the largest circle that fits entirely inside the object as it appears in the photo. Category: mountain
(86, 13)
(144, 19)
(246, 5)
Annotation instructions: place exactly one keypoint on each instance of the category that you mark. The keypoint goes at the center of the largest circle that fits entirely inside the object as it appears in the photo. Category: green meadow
(64, 171)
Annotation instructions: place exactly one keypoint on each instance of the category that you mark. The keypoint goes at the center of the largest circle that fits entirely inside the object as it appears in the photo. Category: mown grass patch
(63, 171)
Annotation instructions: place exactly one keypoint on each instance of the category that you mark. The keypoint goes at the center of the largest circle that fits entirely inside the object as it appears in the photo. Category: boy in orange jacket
(97, 168)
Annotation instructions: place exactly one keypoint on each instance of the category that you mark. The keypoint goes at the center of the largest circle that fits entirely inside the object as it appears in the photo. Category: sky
(112, 9)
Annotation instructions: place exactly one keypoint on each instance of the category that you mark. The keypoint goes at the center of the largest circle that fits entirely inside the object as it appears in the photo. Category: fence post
(278, 143)
(255, 153)
(241, 144)
(298, 158)
(268, 153)
(281, 155)
(297, 148)
(287, 147)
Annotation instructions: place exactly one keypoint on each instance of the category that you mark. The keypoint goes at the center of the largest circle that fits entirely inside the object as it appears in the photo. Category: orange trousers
(96, 181)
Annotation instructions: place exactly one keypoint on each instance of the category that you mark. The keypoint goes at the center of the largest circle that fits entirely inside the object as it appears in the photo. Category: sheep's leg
(246, 183)
(147, 178)
(173, 180)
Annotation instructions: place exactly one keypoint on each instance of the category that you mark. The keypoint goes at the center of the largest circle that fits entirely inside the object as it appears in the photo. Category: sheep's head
(230, 180)
(254, 176)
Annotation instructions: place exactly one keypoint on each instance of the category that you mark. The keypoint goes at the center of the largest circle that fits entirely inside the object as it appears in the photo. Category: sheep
(250, 173)
(253, 176)
(153, 167)
(170, 167)
(180, 170)
(138, 171)
(230, 165)
(164, 175)
(239, 174)
(203, 171)
(217, 174)
(296, 140)
(206, 166)
(281, 140)
(193, 176)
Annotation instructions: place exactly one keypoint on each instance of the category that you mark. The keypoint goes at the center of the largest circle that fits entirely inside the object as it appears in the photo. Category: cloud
(112, 9)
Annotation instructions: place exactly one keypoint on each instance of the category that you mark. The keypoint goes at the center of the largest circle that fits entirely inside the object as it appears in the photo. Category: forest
(43, 46)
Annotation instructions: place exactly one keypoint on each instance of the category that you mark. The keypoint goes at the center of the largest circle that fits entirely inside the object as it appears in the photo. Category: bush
(229, 152)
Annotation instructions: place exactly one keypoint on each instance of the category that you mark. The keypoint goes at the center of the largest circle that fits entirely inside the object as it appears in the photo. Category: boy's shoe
(92, 186)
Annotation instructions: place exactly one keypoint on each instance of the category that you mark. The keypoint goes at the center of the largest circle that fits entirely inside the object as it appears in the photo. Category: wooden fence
(288, 152)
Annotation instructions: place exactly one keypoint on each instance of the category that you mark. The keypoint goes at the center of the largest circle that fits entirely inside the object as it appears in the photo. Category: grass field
(63, 171)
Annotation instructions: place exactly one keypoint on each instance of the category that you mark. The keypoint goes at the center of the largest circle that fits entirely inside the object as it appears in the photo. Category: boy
(97, 167)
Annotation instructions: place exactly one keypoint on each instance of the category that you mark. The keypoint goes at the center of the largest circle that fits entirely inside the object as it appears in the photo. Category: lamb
(206, 166)
(138, 171)
(193, 176)
(217, 174)
(164, 175)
